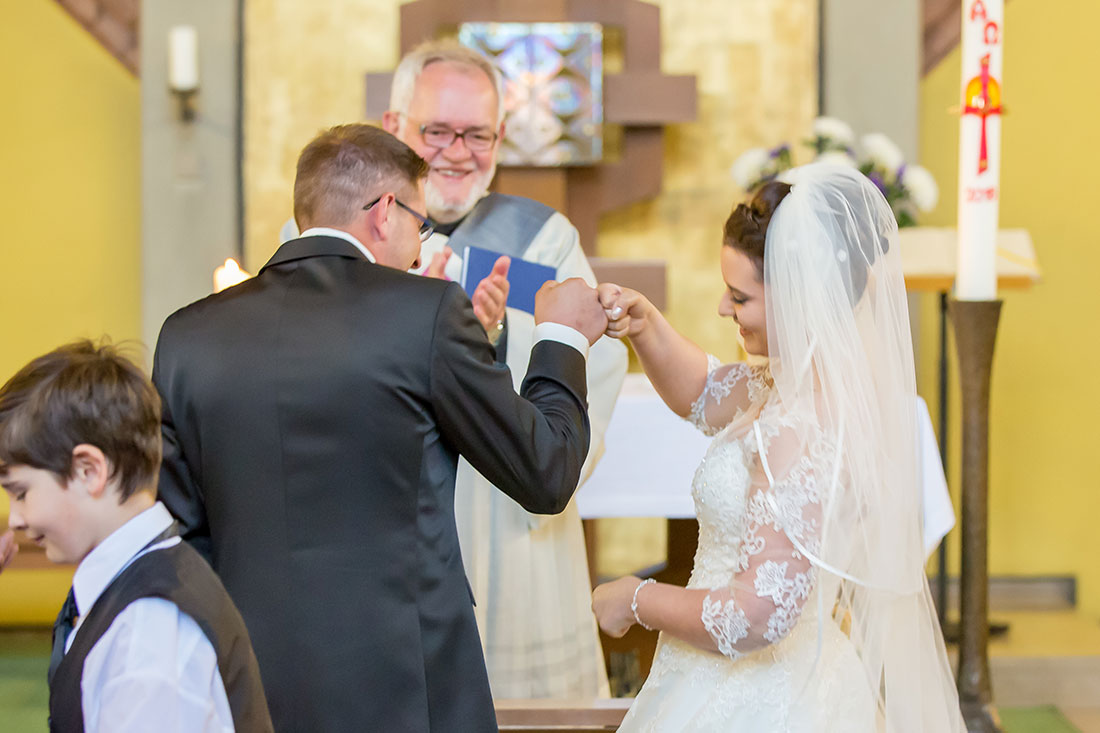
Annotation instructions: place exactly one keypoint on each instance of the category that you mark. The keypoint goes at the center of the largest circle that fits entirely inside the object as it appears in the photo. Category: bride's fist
(627, 310)
(611, 604)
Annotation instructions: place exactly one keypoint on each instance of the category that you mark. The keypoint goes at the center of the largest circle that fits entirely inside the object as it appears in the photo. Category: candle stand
(975, 325)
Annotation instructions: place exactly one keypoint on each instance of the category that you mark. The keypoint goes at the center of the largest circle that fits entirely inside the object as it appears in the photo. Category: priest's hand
(571, 303)
(8, 549)
(491, 297)
(438, 264)
(611, 604)
(628, 311)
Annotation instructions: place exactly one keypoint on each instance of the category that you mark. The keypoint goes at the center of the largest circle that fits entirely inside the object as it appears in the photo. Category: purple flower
(901, 172)
(776, 152)
(877, 180)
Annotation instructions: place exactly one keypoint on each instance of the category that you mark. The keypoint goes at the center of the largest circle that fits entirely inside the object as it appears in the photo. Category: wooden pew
(561, 716)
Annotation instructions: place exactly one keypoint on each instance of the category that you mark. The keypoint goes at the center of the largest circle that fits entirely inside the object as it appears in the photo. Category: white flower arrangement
(837, 157)
(836, 130)
(750, 166)
(922, 187)
(908, 188)
(882, 151)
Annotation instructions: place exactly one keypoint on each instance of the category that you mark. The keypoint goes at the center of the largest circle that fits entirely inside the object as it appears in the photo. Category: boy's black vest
(180, 575)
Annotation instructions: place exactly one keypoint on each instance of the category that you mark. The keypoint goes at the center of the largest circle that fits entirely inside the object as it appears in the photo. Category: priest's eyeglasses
(477, 139)
(426, 225)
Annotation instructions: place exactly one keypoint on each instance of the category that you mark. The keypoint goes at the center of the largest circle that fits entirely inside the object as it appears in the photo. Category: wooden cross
(640, 98)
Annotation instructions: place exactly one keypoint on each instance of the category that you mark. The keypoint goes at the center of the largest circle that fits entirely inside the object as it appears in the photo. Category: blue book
(524, 277)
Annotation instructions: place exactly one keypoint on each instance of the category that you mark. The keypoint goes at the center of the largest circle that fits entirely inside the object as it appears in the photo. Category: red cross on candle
(983, 98)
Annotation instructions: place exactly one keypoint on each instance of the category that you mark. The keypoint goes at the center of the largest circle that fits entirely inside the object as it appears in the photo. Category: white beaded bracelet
(634, 603)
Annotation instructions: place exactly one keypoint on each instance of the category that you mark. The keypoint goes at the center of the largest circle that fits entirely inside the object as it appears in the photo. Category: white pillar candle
(228, 275)
(183, 59)
(980, 149)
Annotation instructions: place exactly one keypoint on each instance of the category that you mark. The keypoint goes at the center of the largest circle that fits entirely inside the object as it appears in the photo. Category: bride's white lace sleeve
(772, 579)
(729, 390)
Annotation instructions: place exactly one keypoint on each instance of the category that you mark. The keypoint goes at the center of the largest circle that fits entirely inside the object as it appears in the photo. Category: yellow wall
(1046, 388)
(70, 134)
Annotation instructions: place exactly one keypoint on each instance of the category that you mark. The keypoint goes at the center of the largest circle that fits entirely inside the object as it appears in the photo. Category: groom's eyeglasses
(426, 225)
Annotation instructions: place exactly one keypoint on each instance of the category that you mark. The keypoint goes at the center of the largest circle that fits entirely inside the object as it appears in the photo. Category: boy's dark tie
(62, 627)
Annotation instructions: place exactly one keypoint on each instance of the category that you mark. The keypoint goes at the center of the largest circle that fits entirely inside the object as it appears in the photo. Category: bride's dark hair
(747, 225)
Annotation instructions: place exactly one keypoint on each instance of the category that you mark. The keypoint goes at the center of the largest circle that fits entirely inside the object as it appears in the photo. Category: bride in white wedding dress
(807, 609)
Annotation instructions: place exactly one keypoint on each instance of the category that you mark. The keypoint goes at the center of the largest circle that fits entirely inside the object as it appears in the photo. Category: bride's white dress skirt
(782, 687)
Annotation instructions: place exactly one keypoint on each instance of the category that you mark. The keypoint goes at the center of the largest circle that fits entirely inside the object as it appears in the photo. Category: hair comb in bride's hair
(746, 211)
(747, 225)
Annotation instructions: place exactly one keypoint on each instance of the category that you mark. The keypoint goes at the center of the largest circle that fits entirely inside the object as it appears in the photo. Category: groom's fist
(571, 303)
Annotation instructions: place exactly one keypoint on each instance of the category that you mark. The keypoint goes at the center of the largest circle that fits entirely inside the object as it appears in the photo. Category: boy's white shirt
(154, 668)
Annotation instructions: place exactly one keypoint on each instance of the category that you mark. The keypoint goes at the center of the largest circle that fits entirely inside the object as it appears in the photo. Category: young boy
(148, 638)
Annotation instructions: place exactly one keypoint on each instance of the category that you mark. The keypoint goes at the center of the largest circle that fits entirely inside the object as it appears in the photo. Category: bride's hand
(611, 604)
(627, 310)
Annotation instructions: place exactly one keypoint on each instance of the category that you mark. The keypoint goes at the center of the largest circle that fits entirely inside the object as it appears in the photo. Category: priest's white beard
(444, 211)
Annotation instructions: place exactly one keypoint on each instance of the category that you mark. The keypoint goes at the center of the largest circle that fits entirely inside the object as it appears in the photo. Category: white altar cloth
(651, 455)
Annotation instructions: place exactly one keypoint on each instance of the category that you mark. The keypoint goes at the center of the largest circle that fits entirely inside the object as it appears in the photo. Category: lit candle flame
(228, 275)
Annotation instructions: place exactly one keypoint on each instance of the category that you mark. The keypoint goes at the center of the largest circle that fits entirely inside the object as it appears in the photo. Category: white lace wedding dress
(783, 663)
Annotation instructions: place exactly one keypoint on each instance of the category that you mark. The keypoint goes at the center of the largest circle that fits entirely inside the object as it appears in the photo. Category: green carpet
(1041, 719)
(24, 657)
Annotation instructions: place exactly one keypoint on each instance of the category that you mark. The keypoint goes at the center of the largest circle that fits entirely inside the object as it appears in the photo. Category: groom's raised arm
(532, 445)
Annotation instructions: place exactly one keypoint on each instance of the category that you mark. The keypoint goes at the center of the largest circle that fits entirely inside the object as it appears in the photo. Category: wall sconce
(183, 68)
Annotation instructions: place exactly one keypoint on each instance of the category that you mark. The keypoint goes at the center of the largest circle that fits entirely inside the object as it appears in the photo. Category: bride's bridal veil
(842, 360)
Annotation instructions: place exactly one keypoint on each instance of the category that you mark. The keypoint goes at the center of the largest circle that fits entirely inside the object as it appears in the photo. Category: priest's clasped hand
(490, 297)
(571, 303)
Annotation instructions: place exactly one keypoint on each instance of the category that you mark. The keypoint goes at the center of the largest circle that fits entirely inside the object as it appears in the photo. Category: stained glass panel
(553, 89)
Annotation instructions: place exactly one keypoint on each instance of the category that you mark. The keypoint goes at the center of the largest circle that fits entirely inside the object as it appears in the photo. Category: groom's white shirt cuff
(549, 331)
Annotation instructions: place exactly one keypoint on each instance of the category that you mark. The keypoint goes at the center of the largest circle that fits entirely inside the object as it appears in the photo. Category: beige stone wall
(755, 63)
(304, 70)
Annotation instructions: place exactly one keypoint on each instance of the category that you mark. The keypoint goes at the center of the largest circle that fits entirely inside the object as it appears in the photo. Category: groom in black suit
(312, 419)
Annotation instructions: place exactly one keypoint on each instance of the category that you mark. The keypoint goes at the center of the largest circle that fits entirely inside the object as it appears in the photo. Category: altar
(646, 471)
(651, 455)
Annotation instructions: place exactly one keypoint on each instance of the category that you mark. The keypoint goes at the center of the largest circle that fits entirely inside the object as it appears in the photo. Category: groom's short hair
(345, 167)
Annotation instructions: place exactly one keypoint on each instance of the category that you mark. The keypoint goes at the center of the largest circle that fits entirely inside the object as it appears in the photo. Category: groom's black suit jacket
(313, 416)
